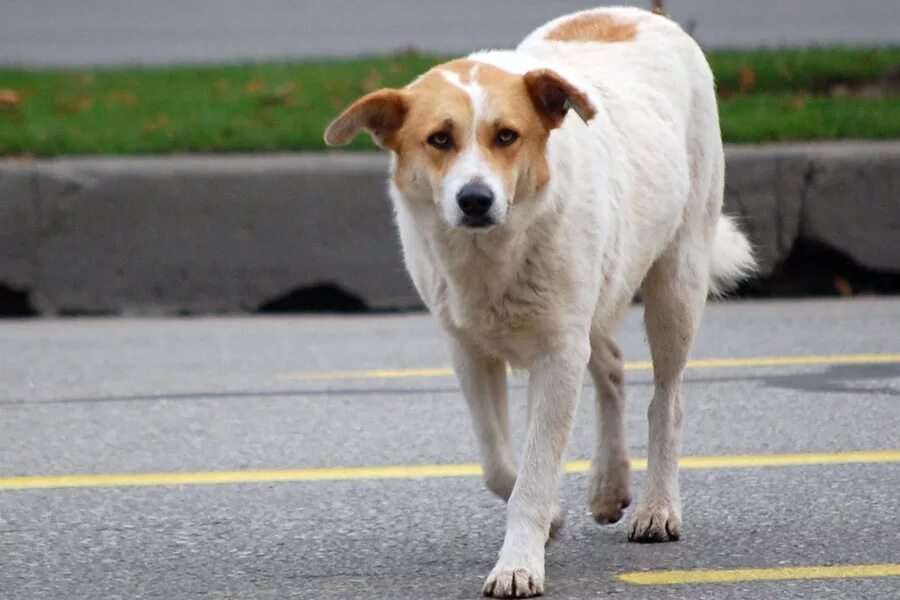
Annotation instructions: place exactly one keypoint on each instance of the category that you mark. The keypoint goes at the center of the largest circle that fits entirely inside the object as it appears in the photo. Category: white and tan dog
(537, 191)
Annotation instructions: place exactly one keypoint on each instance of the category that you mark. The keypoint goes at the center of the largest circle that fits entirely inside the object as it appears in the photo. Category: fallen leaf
(843, 286)
(10, 98)
(82, 104)
(255, 85)
(747, 80)
(286, 89)
(798, 103)
(121, 98)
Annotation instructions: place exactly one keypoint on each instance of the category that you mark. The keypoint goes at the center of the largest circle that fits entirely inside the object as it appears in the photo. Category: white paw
(514, 582)
(655, 522)
(610, 494)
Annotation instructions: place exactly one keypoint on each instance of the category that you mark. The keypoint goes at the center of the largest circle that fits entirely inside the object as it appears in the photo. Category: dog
(537, 191)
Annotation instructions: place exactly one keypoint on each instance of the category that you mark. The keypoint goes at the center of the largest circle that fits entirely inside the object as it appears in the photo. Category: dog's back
(659, 122)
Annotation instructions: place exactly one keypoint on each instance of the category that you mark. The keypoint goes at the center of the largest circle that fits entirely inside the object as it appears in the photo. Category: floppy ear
(553, 96)
(381, 113)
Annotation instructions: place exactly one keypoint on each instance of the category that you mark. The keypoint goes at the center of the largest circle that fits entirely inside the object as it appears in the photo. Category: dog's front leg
(483, 381)
(553, 392)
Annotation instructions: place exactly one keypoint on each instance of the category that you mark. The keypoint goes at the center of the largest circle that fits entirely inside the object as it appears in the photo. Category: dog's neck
(500, 278)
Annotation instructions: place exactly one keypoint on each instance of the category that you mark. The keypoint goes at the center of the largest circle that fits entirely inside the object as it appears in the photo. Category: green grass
(791, 117)
(265, 107)
(766, 95)
(811, 70)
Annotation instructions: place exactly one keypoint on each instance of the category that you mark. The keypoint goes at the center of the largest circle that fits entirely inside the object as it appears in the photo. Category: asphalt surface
(50, 32)
(131, 396)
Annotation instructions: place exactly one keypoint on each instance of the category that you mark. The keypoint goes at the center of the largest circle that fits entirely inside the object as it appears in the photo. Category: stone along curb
(211, 234)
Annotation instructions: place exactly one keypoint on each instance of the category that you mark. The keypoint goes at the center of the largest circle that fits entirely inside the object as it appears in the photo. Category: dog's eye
(441, 140)
(506, 137)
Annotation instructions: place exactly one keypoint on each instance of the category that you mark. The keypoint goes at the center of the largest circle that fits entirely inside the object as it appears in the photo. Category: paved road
(219, 400)
(136, 31)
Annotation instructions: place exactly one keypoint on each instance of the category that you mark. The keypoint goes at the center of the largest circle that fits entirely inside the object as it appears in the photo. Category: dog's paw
(559, 519)
(609, 496)
(655, 523)
(521, 582)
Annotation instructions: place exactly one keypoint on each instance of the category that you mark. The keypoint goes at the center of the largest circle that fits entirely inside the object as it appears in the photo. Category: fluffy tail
(732, 258)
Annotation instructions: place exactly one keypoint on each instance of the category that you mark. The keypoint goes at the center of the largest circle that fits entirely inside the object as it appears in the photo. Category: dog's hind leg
(610, 486)
(674, 294)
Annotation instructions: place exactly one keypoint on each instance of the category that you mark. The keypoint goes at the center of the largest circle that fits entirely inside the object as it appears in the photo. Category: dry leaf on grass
(78, 105)
(747, 79)
(287, 88)
(121, 98)
(256, 85)
(10, 98)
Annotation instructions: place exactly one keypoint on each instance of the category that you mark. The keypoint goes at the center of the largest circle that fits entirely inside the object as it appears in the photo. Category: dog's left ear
(553, 96)
(380, 113)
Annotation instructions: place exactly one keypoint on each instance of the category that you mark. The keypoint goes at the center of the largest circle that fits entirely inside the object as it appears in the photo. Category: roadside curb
(228, 233)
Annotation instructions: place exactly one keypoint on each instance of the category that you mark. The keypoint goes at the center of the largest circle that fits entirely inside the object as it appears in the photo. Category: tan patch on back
(596, 27)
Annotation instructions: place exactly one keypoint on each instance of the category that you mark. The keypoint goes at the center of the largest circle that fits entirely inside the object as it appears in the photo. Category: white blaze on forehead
(471, 164)
(475, 91)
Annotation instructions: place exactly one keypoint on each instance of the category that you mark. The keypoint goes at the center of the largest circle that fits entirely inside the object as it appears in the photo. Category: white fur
(733, 259)
(471, 165)
(633, 204)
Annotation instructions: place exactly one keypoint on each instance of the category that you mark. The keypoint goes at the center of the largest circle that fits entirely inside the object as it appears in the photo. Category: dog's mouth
(481, 222)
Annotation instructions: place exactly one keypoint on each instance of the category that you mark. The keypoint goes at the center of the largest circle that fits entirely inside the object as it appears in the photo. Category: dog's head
(470, 139)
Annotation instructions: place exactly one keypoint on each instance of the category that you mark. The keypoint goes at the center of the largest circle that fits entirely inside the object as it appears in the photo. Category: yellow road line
(777, 574)
(708, 363)
(417, 471)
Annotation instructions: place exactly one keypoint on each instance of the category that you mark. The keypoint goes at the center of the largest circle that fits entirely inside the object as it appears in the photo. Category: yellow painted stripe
(777, 574)
(418, 471)
(706, 363)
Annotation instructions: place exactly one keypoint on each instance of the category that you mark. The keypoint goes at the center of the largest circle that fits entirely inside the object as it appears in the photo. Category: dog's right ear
(381, 113)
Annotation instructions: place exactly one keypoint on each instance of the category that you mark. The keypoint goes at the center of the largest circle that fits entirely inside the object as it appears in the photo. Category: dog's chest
(509, 310)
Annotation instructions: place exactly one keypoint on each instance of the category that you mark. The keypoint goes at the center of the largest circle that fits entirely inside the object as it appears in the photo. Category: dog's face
(470, 139)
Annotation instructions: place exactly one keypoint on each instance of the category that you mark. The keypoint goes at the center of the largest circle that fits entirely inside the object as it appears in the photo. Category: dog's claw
(609, 511)
(655, 523)
(513, 583)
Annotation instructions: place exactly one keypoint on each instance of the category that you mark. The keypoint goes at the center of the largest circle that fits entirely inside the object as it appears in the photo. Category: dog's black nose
(475, 199)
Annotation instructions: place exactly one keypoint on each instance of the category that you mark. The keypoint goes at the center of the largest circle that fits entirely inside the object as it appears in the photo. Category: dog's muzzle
(475, 200)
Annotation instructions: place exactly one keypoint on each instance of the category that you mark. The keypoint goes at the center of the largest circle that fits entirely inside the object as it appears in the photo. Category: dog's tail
(732, 258)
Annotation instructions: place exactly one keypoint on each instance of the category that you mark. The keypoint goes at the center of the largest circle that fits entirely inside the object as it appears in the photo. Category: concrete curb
(203, 234)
